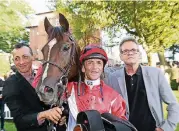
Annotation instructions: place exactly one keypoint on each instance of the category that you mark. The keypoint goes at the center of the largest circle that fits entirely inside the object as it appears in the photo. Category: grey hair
(126, 39)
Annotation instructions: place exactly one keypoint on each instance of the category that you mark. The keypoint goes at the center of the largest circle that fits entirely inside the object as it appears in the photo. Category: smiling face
(92, 68)
(23, 59)
(130, 54)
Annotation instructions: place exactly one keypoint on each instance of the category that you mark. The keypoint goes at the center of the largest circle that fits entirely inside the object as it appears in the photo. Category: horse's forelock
(57, 32)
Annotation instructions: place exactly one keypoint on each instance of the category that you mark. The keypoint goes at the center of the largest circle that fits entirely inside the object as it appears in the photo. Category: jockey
(93, 93)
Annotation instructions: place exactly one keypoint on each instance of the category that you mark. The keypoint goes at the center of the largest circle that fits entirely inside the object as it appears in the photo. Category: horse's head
(60, 60)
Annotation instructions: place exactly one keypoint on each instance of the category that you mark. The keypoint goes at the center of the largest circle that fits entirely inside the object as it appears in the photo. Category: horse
(61, 60)
(60, 63)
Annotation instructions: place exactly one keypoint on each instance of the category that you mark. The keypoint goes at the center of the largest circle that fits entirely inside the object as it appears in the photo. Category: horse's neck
(74, 79)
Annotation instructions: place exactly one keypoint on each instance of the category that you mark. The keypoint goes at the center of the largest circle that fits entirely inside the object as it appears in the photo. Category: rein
(56, 94)
(62, 81)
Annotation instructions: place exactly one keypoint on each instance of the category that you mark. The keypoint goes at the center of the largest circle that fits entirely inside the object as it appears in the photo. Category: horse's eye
(66, 48)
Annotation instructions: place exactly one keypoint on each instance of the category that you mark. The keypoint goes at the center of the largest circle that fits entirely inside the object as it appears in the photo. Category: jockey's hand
(159, 129)
(62, 121)
(53, 115)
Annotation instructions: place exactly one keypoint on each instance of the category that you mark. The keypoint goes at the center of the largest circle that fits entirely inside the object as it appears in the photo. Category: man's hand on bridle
(53, 114)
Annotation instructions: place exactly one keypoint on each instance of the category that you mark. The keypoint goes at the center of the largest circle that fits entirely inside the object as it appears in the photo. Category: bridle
(66, 69)
(63, 79)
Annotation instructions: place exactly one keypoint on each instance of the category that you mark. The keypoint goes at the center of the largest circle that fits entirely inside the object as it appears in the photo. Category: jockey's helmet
(93, 52)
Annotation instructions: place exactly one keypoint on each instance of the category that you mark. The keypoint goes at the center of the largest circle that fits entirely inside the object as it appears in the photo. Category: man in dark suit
(25, 106)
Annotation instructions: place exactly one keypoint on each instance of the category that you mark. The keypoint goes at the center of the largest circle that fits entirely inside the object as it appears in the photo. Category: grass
(9, 126)
(177, 128)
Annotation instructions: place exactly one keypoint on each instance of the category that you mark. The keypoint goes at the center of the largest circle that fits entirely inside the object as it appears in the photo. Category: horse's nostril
(48, 89)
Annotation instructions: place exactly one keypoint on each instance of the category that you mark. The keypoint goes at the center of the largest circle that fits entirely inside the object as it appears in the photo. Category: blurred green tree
(154, 23)
(12, 23)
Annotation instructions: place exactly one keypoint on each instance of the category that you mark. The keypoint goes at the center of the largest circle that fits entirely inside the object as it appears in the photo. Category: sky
(38, 5)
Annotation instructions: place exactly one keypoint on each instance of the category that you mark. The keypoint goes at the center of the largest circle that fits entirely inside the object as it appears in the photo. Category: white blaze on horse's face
(50, 44)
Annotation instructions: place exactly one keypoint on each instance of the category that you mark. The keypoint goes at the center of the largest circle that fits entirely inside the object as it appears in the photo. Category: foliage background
(4, 64)
(12, 23)
(154, 23)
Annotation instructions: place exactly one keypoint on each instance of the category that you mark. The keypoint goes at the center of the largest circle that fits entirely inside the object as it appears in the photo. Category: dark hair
(13, 68)
(20, 45)
(126, 39)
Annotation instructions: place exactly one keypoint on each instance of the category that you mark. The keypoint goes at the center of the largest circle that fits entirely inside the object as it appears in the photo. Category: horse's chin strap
(62, 82)
(62, 85)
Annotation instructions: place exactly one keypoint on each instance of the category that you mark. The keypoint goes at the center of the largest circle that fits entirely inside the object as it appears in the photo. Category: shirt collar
(92, 83)
(138, 72)
(29, 77)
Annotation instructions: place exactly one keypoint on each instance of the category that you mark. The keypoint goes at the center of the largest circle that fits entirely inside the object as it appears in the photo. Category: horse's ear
(63, 22)
(47, 26)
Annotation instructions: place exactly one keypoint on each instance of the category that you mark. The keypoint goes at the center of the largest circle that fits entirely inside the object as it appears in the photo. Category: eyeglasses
(126, 52)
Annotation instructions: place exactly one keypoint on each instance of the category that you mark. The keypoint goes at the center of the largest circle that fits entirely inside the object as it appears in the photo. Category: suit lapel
(27, 89)
(122, 85)
(147, 83)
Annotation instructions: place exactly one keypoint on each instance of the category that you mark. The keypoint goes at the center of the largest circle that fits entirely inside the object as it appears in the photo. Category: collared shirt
(29, 78)
(140, 115)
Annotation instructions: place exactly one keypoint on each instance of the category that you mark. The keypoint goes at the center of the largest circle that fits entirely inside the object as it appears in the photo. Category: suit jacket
(158, 91)
(23, 103)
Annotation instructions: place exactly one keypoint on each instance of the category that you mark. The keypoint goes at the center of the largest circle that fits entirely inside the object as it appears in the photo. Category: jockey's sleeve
(119, 107)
